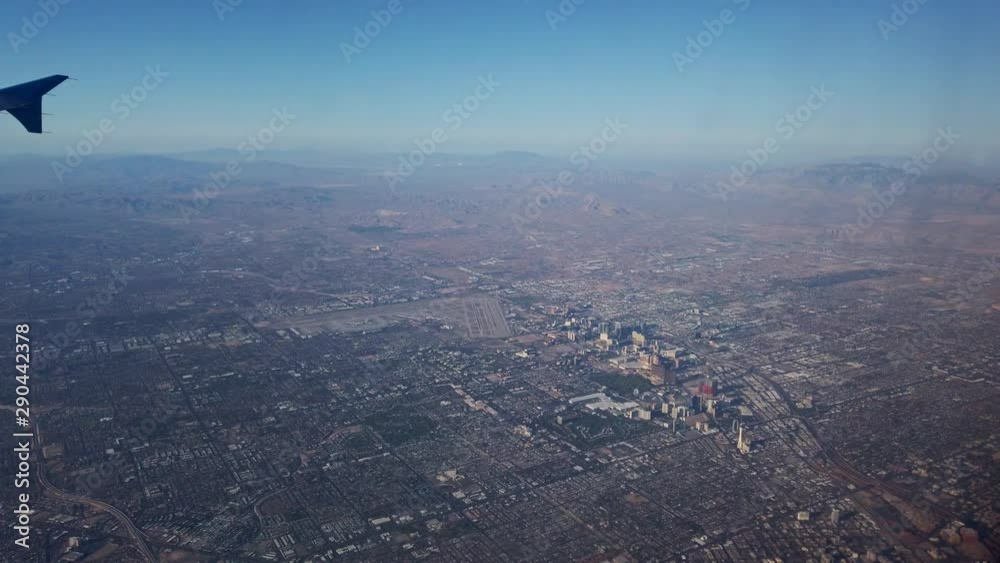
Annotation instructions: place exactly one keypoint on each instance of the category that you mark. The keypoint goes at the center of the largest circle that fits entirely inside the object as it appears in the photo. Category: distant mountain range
(270, 168)
(24, 172)
(382, 160)
(840, 181)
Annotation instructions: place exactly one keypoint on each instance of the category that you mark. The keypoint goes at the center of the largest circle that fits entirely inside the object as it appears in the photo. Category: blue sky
(609, 58)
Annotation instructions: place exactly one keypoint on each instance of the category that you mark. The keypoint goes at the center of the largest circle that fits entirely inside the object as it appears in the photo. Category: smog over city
(515, 280)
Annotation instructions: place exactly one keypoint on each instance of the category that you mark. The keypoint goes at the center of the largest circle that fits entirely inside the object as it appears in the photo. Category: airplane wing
(24, 101)
(30, 115)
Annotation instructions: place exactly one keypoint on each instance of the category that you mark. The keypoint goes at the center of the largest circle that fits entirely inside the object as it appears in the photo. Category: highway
(140, 539)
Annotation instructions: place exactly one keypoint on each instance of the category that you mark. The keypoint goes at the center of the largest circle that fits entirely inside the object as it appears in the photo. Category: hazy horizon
(582, 281)
(556, 78)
